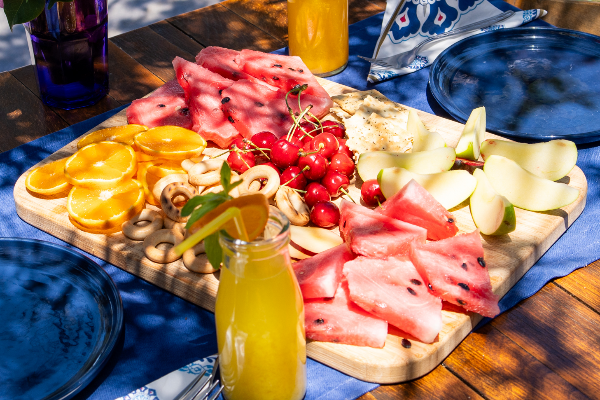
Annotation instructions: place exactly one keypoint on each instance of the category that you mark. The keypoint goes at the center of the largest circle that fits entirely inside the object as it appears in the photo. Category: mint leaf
(234, 185)
(225, 177)
(213, 249)
(200, 200)
(206, 207)
(53, 2)
(20, 11)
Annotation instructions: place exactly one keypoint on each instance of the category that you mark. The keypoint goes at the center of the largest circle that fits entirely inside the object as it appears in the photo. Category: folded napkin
(418, 20)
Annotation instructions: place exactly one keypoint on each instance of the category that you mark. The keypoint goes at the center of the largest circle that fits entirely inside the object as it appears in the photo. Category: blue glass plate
(535, 83)
(60, 314)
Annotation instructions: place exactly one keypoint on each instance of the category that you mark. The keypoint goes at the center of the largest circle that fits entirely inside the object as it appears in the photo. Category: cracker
(378, 133)
(350, 102)
(339, 113)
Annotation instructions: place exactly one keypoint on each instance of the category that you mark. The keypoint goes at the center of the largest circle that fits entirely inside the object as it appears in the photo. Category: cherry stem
(348, 194)
(298, 190)
(303, 169)
(221, 154)
(378, 202)
(296, 121)
(258, 148)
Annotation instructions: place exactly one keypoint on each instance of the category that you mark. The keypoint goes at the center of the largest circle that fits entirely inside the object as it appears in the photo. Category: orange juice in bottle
(259, 316)
(318, 33)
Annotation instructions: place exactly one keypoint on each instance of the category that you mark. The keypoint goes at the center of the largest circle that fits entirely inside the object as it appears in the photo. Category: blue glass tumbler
(69, 47)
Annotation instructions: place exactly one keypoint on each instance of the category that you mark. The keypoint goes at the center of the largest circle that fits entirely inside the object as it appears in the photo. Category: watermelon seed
(277, 65)
(406, 343)
(464, 286)
(430, 287)
(259, 104)
(275, 78)
(344, 224)
(411, 291)
(461, 302)
(415, 282)
(291, 69)
(464, 266)
(161, 105)
(319, 321)
(451, 220)
(185, 111)
(220, 91)
(481, 261)
(225, 100)
(231, 119)
(301, 70)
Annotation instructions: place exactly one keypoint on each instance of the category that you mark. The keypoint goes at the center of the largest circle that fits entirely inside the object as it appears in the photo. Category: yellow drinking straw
(213, 226)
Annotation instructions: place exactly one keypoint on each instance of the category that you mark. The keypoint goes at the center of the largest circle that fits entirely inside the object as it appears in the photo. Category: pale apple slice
(492, 213)
(297, 254)
(524, 189)
(450, 188)
(472, 135)
(422, 139)
(312, 240)
(550, 160)
(425, 162)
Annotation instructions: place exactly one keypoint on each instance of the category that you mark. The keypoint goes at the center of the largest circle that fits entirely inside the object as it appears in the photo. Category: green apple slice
(472, 135)
(524, 189)
(450, 188)
(422, 139)
(492, 213)
(425, 162)
(550, 160)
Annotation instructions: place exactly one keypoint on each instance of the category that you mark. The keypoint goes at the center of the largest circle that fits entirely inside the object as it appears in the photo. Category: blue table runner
(163, 332)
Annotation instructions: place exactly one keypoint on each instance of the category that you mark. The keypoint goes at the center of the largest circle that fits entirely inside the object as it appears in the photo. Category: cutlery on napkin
(407, 23)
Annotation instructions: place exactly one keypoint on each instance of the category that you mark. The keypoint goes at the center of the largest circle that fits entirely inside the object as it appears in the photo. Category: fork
(197, 391)
(404, 59)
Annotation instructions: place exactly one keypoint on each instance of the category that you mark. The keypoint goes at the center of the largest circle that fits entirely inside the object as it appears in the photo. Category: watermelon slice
(203, 93)
(165, 106)
(319, 276)
(284, 72)
(456, 270)
(375, 235)
(393, 290)
(338, 320)
(414, 204)
(223, 62)
(255, 108)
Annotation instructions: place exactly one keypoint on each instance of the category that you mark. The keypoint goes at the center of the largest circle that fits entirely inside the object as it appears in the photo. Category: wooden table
(545, 347)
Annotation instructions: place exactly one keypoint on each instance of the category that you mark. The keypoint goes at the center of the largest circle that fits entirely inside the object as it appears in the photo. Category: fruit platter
(371, 187)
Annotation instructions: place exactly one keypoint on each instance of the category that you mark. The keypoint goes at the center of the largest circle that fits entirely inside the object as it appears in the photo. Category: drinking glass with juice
(259, 315)
(318, 33)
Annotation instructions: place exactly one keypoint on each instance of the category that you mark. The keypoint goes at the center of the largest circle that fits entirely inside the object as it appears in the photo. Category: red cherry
(241, 161)
(342, 163)
(343, 149)
(304, 132)
(241, 144)
(263, 140)
(270, 164)
(337, 129)
(325, 214)
(371, 192)
(294, 178)
(314, 166)
(316, 193)
(284, 154)
(325, 143)
(335, 182)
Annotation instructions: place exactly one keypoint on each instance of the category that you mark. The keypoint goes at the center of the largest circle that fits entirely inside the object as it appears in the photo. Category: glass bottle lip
(277, 220)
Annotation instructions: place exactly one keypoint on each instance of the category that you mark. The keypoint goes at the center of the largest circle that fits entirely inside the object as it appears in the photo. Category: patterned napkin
(418, 20)
(170, 385)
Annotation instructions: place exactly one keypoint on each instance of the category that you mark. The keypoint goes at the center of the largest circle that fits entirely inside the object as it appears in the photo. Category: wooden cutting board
(508, 257)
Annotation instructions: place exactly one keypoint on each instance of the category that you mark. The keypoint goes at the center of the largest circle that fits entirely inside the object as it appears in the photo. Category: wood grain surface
(508, 257)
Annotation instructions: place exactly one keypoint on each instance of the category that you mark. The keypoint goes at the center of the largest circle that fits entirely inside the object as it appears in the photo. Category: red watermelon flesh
(165, 106)
(414, 204)
(375, 235)
(256, 108)
(338, 320)
(393, 290)
(223, 62)
(203, 92)
(284, 72)
(456, 270)
(319, 276)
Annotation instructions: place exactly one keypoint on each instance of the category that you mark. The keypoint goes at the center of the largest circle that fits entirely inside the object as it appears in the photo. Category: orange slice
(163, 168)
(105, 208)
(101, 165)
(48, 179)
(255, 213)
(142, 157)
(148, 180)
(170, 142)
(122, 134)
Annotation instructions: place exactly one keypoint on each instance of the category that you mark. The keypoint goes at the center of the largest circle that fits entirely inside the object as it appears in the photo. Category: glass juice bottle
(318, 33)
(259, 316)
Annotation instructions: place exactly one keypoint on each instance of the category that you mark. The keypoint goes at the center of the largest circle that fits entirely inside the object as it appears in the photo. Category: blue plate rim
(457, 114)
(78, 382)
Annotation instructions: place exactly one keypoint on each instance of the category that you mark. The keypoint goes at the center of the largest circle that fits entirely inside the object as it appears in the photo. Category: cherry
(294, 178)
(284, 154)
(263, 140)
(371, 193)
(342, 163)
(314, 166)
(344, 149)
(325, 143)
(240, 143)
(316, 193)
(241, 161)
(270, 164)
(325, 214)
(304, 133)
(335, 183)
(335, 128)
